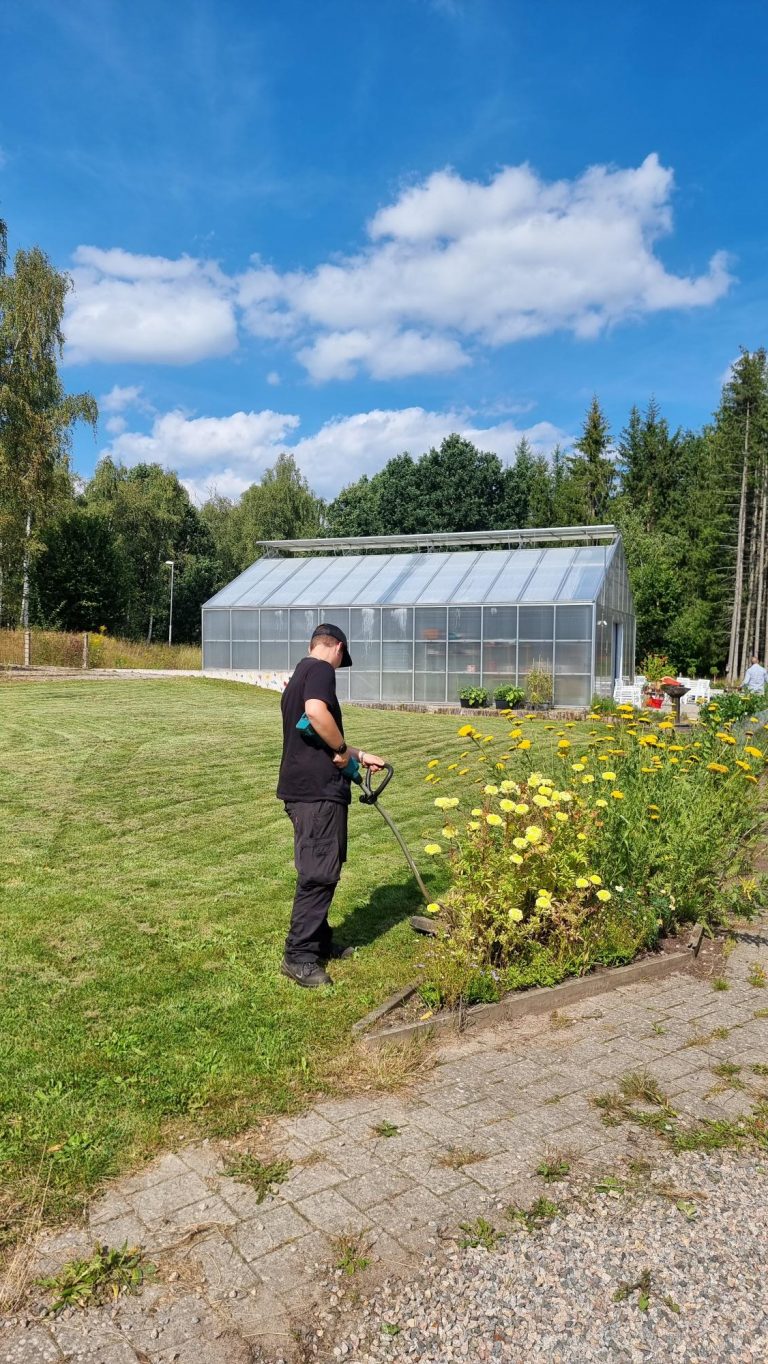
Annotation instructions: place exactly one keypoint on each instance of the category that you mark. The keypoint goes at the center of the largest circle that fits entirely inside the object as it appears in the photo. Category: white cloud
(147, 309)
(455, 261)
(120, 397)
(273, 378)
(229, 453)
(451, 265)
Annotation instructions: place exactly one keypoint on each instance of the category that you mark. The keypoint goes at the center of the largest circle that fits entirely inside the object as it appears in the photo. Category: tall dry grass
(57, 649)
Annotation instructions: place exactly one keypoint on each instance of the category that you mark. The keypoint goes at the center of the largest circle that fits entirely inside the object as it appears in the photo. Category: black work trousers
(320, 849)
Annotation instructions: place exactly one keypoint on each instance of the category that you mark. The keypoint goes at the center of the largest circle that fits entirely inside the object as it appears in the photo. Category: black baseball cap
(335, 633)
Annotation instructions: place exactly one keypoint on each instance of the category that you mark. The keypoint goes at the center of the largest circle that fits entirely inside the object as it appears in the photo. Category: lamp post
(169, 563)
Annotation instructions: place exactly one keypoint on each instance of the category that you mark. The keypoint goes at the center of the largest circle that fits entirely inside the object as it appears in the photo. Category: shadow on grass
(387, 906)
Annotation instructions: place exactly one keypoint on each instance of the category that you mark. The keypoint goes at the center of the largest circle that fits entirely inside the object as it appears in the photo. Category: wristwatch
(342, 748)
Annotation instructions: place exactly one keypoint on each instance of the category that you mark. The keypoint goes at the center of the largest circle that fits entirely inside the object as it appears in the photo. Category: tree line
(80, 555)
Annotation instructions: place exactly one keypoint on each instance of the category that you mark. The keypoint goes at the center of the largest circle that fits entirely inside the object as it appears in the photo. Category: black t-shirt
(307, 769)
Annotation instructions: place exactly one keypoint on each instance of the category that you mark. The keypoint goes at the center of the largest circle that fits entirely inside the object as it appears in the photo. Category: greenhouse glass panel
(397, 657)
(572, 691)
(275, 654)
(573, 657)
(397, 686)
(583, 579)
(514, 575)
(245, 624)
(482, 575)
(363, 686)
(465, 622)
(420, 574)
(448, 578)
(217, 655)
(430, 657)
(464, 658)
(431, 622)
(544, 583)
(336, 584)
(274, 625)
(216, 625)
(500, 622)
(334, 615)
(536, 654)
(536, 622)
(305, 573)
(303, 622)
(397, 623)
(499, 659)
(384, 576)
(429, 686)
(573, 622)
(245, 654)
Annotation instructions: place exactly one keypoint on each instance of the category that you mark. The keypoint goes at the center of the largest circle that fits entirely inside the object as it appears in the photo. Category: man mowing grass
(317, 796)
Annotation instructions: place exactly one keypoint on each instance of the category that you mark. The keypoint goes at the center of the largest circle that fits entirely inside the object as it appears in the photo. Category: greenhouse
(429, 615)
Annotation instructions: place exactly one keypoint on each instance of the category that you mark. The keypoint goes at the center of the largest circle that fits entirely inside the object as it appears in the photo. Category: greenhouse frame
(429, 615)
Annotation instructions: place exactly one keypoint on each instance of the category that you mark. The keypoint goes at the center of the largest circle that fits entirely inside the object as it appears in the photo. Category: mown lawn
(145, 883)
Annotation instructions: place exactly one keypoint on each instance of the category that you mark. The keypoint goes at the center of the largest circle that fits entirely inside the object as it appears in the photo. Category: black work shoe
(340, 953)
(309, 974)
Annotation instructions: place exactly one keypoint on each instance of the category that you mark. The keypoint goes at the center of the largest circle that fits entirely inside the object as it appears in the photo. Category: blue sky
(347, 228)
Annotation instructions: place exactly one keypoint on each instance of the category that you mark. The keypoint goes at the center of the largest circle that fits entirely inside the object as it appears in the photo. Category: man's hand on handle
(366, 759)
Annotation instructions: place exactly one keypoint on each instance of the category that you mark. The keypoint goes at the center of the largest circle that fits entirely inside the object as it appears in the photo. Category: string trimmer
(370, 790)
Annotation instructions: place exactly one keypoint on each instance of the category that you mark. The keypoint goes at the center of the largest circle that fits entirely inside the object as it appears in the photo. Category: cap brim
(346, 661)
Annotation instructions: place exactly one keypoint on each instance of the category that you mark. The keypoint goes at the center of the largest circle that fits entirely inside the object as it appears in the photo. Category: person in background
(756, 677)
(317, 796)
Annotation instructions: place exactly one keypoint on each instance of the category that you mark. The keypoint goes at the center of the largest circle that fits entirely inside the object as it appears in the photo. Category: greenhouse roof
(460, 577)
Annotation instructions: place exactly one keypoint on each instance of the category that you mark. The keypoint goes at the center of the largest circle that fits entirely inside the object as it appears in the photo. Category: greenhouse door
(618, 652)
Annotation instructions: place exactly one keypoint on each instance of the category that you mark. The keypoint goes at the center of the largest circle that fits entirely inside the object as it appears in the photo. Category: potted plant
(538, 687)
(508, 696)
(473, 697)
(654, 668)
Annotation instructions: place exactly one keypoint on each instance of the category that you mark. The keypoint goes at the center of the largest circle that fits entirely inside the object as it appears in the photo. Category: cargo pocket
(318, 855)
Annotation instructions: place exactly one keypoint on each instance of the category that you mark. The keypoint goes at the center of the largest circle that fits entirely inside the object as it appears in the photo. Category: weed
(687, 1208)
(386, 1129)
(658, 1029)
(641, 1086)
(248, 1170)
(457, 1157)
(760, 1013)
(107, 1274)
(671, 1304)
(350, 1253)
(543, 1210)
(390, 1329)
(759, 1069)
(480, 1233)
(757, 976)
(720, 983)
(609, 1184)
(721, 1033)
(553, 1168)
(641, 1286)
(726, 1070)
(558, 1020)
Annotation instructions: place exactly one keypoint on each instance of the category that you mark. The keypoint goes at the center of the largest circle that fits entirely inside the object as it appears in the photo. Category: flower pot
(655, 702)
(502, 705)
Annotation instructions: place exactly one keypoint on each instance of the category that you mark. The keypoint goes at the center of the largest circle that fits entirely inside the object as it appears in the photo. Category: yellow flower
(726, 738)
(577, 767)
(447, 802)
(515, 734)
(489, 739)
(587, 780)
(433, 762)
(463, 772)
(524, 744)
(433, 908)
(667, 724)
(582, 838)
(473, 826)
(582, 883)
(517, 859)
(476, 812)
(452, 767)
(564, 743)
(562, 816)
(466, 731)
(745, 767)
(602, 803)
(491, 790)
(494, 820)
(604, 895)
(543, 902)
(448, 831)
(617, 795)
(566, 796)
(533, 834)
(596, 880)
(509, 786)
(515, 915)
(608, 776)
(520, 842)
(649, 740)
(716, 767)
(522, 808)
(465, 754)
(753, 752)
(531, 715)
(542, 802)
(432, 848)
(751, 778)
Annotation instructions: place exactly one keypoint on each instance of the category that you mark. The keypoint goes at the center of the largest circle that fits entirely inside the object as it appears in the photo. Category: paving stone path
(237, 1275)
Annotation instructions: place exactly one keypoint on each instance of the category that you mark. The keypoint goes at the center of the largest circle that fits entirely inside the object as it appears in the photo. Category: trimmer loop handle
(370, 792)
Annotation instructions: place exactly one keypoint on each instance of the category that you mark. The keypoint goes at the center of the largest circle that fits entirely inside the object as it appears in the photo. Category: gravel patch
(548, 1295)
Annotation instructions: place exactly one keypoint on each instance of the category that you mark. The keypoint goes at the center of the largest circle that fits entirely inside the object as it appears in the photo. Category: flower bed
(588, 856)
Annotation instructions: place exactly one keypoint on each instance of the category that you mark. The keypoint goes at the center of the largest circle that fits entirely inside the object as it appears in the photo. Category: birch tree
(36, 415)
